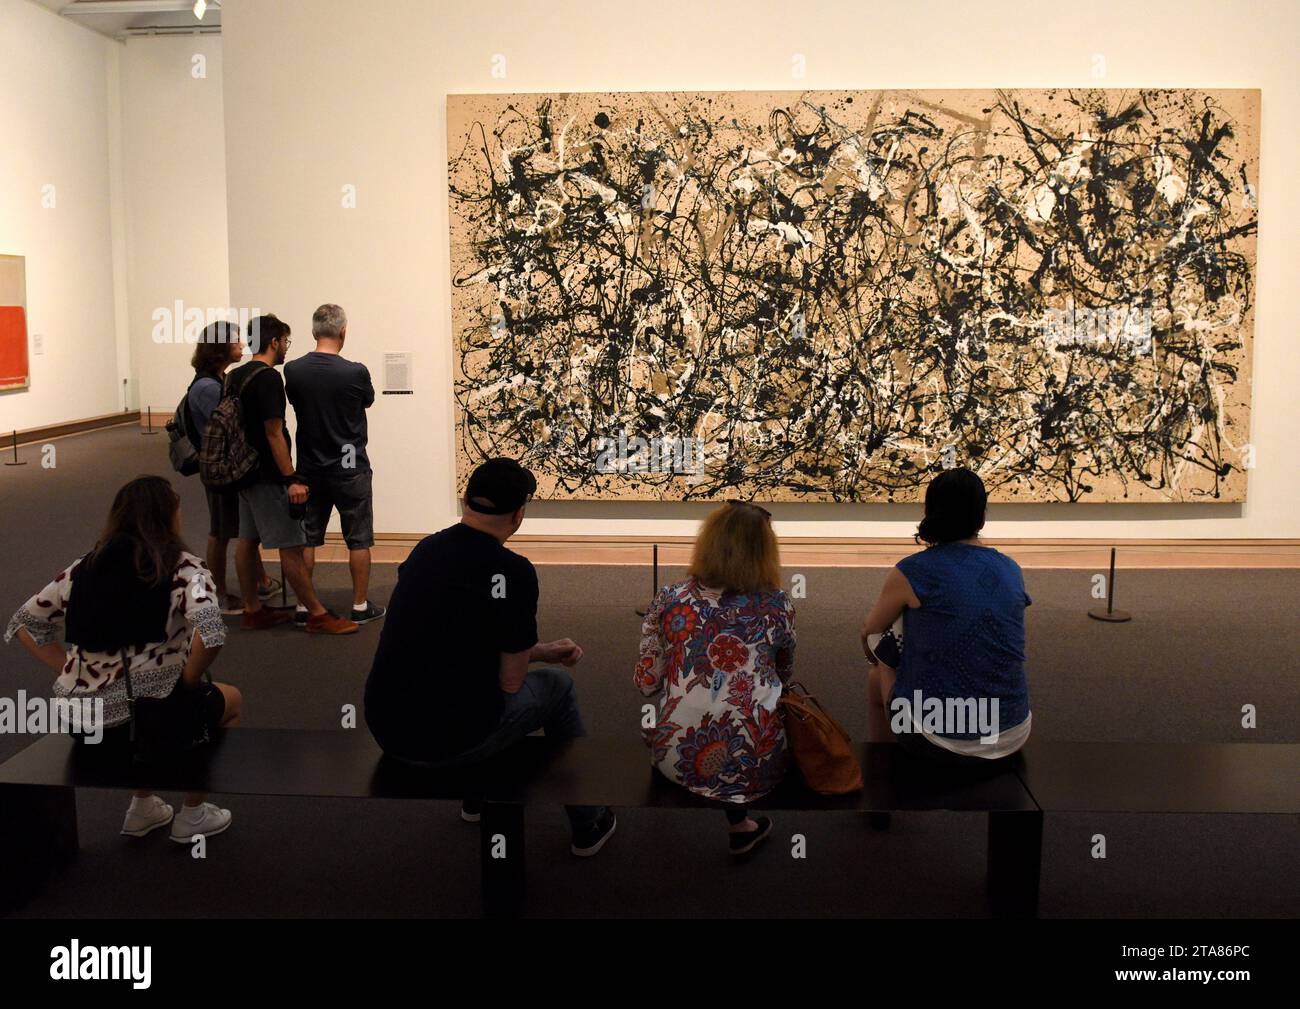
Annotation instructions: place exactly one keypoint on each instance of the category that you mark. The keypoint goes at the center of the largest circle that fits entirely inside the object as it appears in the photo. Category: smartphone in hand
(887, 648)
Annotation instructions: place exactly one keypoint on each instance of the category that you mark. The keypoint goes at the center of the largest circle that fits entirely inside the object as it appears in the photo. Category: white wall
(57, 82)
(133, 142)
(323, 93)
(174, 171)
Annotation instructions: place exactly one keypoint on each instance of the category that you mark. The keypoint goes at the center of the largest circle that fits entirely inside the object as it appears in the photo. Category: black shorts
(116, 742)
(223, 514)
(214, 705)
(350, 493)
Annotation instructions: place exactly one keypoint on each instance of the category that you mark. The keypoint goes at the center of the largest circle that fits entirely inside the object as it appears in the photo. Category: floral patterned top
(155, 668)
(720, 659)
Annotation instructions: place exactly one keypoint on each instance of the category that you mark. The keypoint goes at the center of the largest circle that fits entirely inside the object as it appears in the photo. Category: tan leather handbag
(822, 749)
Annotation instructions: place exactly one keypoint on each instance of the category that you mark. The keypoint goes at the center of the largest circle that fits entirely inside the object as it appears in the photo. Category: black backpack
(183, 440)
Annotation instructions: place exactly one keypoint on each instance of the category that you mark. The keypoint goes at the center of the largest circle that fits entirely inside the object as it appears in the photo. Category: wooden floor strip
(1085, 555)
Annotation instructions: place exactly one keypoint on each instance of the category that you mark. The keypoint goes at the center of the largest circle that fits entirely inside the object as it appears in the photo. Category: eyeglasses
(737, 503)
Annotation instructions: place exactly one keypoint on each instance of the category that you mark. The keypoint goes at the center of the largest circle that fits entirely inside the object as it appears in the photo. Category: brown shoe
(329, 623)
(266, 616)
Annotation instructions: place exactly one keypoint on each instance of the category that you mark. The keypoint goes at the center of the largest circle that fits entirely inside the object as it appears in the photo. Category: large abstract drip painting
(831, 296)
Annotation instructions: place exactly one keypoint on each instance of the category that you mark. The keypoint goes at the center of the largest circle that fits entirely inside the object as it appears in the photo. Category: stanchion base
(1111, 617)
(15, 464)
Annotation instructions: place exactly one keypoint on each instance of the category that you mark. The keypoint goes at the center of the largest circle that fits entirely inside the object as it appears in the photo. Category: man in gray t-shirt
(330, 396)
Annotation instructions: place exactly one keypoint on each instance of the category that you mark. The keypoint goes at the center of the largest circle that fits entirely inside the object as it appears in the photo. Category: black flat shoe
(591, 839)
(371, 612)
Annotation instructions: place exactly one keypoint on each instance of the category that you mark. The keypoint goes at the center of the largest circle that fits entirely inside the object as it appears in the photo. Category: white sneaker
(144, 815)
(206, 819)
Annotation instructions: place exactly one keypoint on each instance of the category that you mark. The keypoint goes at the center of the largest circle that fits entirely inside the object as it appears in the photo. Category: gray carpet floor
(1202, 644)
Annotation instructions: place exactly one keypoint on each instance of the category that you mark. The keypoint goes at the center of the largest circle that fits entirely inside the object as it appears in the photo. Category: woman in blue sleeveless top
(952, 685)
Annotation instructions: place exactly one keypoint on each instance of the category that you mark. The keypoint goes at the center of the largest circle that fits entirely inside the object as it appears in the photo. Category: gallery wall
(327, 98)
(58, 208)
(174, 169)
(130, 137)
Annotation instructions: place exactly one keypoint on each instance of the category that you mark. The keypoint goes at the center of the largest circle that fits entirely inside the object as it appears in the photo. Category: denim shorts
(264, 514)
(350, 493)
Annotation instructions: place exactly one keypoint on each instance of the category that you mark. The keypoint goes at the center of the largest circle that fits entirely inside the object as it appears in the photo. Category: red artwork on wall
(13, 347)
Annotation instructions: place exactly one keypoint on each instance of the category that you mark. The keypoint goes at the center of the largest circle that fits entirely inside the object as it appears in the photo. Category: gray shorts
(264, 514)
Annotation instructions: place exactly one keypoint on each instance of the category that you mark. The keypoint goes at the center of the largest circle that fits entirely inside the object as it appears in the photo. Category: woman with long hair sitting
(141, 597)
(718, 648)
(952, 687)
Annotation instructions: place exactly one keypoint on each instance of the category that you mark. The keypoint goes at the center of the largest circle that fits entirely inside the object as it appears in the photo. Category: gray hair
(328, 321)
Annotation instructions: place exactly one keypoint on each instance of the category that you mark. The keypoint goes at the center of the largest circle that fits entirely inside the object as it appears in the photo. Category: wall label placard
(398, 375)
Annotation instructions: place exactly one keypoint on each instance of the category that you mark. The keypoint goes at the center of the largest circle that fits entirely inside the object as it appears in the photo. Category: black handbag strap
(130, 691)
(126, 671)
(130, 694)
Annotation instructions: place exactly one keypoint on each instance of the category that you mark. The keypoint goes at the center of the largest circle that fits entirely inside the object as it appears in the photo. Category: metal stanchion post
(15, 461)
(1110, 615)
(655, 568)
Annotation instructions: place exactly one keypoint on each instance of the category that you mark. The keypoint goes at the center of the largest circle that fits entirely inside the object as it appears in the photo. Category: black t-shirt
(262, 397)
(330, 395)
(461, 600)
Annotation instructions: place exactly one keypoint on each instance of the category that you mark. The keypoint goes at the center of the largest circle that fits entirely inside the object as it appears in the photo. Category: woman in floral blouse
(141, 594)
(720, 647)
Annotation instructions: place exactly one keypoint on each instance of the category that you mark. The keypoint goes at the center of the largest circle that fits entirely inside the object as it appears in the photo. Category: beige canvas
(831, 296)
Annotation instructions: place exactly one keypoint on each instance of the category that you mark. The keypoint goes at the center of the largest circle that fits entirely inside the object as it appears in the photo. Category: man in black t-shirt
(330, 396)
(270, 510)
(450, 684)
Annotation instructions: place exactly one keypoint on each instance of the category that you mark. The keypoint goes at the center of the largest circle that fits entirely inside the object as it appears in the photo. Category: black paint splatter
(842, 300)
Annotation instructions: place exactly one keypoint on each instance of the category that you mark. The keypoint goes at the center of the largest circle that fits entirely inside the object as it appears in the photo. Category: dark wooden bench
(38, 821)
(1162, 777)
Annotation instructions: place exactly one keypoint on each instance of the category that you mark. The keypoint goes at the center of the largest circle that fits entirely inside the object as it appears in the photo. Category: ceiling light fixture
(200, 7)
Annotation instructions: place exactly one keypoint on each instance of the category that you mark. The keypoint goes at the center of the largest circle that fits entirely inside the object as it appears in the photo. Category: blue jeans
(548, 700)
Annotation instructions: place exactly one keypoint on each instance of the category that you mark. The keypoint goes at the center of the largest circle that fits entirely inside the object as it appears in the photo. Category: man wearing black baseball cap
(451, 684)
(500, 487)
